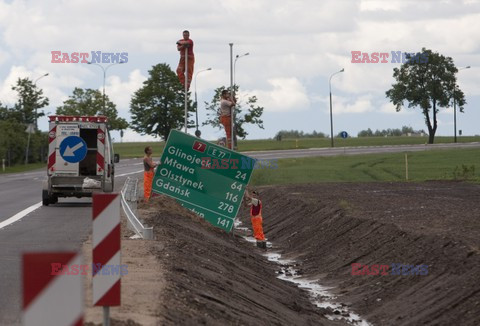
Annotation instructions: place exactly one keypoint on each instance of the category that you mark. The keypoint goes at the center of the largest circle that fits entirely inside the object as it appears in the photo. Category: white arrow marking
(69, 151)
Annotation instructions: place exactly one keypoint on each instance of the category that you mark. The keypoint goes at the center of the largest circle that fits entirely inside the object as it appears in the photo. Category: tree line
(156, 108)
(294, 134)
(404, 131)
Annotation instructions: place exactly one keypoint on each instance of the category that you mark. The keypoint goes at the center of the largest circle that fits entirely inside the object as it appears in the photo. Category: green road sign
(208, 179)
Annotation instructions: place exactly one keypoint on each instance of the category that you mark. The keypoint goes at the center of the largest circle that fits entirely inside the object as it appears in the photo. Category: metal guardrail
(129, 204)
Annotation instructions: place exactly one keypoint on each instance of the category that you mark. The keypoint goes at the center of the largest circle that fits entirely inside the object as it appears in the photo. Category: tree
(89, 102)
(252, 115)
(30, 99)
(294, 134)
(365, 133)
(429, 85)
(159, 105)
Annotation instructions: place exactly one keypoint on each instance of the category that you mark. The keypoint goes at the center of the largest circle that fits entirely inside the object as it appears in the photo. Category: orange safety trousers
(181, 69)
(257, 227)
(227, 124)
(147, 183)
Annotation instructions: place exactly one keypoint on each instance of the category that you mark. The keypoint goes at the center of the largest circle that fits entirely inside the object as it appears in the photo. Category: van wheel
(45, 199)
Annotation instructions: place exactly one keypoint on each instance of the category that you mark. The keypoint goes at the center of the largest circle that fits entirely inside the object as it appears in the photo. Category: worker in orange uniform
(227, 104)
(148, 173)
(185, 43)
(255, 204)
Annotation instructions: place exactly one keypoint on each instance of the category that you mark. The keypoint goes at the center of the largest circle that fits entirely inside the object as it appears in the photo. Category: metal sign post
(232, 113)
(344, 135)
(30, 129)
(186, 88)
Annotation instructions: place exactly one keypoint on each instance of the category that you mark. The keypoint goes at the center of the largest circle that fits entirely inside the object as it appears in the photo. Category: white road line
(20, 215)
(34, 207)
(124, 174)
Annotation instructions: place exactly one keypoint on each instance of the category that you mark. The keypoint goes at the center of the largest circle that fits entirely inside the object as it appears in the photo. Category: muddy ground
(213, 278)
(329, 227)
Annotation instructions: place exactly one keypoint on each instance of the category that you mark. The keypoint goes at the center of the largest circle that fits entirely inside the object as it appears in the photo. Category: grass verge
(23, 168)
(454, 164)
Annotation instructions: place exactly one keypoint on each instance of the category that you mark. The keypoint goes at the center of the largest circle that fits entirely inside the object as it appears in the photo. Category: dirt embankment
(328, 227)
(214, 278)
(201, 275)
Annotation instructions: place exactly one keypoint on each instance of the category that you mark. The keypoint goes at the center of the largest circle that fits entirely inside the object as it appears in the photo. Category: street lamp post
(30, 127)
(232, 93)
(197, 132)
(35, 84)
(235, 63)
(331, 116)
(104, 69)
(455, 110)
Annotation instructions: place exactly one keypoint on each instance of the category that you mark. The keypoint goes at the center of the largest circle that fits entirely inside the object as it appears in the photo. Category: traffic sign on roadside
(50, 295)
(106, 238)
(344, 134)
(73, 149)
(207, 179)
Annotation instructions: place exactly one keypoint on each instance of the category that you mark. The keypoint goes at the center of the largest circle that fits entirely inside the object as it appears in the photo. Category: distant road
(311, 152)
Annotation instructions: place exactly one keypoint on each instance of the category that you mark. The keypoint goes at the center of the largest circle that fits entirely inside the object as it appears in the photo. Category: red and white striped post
(52, 296)
(52, 135)
(100, 149)
(106, 252)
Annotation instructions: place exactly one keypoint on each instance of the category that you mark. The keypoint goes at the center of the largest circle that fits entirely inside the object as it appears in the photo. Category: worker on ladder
(185, 45)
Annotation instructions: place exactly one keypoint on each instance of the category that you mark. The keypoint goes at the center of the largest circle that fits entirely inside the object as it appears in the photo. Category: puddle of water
(320, 296)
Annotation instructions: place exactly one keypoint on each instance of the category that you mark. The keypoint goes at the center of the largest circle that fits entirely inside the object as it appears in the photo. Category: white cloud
(375, 5)
(288, 94)
(120, 93)
(294, 47)
(342, 105)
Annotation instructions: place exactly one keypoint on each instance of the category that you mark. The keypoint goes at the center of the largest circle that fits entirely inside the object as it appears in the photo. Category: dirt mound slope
(215, 278)
(328, 227)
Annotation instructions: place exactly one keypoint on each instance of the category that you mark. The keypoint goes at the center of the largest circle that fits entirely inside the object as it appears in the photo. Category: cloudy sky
(294, 46)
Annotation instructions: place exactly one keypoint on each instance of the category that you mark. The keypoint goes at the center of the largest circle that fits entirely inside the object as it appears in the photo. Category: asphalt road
(291, 153)
(60, 227)
(66, 225)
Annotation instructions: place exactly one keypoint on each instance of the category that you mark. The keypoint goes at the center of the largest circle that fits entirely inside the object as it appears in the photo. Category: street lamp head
(342, 70)
(46, 74)
(209, 69)
(242, 55)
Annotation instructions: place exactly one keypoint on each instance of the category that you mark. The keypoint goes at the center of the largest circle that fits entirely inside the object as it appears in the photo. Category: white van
(80, 158)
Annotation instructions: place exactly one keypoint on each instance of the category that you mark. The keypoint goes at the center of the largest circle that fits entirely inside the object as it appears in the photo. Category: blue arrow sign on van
(73, 149)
